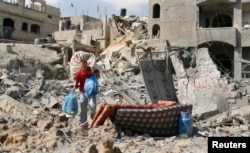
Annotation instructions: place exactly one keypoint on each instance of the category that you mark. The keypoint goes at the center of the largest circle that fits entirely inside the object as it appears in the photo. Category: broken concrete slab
(14, 108)
(243, 112)
(178, 65)
(15, 92)
(158, 80)
(9, 82)
(34, 92)
(21, 77)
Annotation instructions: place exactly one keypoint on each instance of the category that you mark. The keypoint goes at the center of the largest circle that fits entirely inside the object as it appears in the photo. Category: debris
(36, 80)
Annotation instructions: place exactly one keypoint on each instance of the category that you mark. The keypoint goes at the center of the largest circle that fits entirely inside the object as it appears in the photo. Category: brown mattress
(109, 110)
(156, 122)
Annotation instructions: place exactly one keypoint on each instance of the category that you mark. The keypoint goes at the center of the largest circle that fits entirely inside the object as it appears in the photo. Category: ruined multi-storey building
(223, 26)
(84, 32)
(22, 21)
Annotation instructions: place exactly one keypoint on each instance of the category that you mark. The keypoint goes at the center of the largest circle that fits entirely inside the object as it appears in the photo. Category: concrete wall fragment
(207, 91)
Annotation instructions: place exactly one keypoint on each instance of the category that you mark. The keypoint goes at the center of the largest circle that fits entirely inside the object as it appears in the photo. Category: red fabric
(81, 77)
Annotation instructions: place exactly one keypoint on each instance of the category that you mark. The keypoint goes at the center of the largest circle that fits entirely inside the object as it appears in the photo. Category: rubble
(35, 80)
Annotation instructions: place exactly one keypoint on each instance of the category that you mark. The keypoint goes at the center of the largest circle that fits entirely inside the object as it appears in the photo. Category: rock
(3, 120)
(243, 112)
(44, 124)
(34, 92)
(91, 149)
(22, 78)
(109, 129)
(14, 108)
(16, 140)
(50, 138)
(106, 146)
(14, 92)
(52, 102)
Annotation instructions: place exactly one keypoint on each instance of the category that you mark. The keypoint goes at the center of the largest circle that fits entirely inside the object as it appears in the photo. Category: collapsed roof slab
(157, 76)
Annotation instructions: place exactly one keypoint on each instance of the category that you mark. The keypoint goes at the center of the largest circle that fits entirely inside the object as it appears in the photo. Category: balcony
(18, 10)
(225, 34)
(212, 1)
(10, 8)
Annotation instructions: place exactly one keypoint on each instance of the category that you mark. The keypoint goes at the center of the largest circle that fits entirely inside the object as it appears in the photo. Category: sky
(97, 8)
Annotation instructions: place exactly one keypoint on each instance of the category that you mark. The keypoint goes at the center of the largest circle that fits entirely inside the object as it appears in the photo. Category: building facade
(86, 29)
(223, 26)
(19, 21)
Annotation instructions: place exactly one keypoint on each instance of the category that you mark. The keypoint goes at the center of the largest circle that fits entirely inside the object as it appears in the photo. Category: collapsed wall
(205, 89)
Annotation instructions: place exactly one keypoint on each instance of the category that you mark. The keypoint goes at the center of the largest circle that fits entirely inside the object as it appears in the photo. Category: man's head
(97, 73)
(84, 64)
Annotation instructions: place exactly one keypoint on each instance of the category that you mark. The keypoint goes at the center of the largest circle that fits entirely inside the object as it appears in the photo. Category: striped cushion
(156, 122)
(109, 110)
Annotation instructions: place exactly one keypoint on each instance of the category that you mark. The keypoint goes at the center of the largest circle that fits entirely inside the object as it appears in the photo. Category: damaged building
(26, 22)
(83, 33)
(208, 44)
(221, 26)
(202, 44)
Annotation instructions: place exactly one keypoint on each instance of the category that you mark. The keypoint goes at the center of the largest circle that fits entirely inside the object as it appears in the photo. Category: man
(80, 77)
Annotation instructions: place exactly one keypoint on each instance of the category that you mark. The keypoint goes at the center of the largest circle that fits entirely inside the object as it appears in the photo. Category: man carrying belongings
(86, 79)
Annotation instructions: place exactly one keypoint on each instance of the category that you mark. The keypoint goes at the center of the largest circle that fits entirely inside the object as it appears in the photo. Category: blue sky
(109, 7)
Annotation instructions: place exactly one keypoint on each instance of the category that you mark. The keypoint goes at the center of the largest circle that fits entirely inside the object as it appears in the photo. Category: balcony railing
(223, 34)
(18, 10)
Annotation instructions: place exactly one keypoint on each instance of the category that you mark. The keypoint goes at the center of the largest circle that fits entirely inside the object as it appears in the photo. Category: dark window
(156, 11)
(222, 20)
(7, 22)
(156, 31)
(35, 28)
(50, 16)
(25, 26)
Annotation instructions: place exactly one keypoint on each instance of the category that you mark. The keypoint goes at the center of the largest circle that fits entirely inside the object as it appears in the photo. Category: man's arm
(75, 85)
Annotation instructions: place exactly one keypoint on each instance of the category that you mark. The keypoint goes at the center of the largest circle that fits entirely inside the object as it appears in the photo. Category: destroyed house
(22, 21)
(84, 29)
(222, 26)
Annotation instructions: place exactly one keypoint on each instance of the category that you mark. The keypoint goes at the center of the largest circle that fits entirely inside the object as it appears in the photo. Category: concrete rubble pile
(33, 85)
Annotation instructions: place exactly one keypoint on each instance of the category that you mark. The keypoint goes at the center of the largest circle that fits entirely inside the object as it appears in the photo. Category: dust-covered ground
(33, 86)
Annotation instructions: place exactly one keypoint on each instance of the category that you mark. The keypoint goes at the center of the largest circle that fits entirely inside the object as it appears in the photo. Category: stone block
(44, 124)
(243, 112)
(22, 78)
(14, 107)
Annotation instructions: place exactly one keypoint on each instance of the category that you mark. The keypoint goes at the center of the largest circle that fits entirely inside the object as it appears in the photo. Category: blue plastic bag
(185, 123)
(91, 86)
(70, 105)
